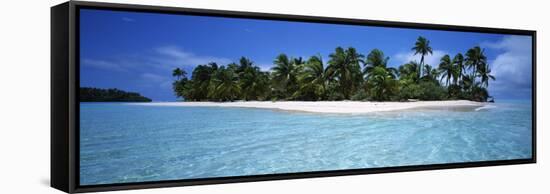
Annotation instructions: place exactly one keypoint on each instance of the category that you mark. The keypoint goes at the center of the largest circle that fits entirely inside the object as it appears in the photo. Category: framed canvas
(149, 96)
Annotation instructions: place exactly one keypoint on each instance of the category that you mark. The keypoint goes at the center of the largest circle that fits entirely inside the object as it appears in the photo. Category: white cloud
(102, 64)
(264, 66)
(405, 57)
(154, 77)
(512, 68)
(156, 80)
(153, 68)
(511, 43)
(176, 57)
(161, 58)
(127, 19)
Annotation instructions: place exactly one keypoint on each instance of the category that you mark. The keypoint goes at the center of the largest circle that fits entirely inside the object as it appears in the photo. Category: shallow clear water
(132, 143)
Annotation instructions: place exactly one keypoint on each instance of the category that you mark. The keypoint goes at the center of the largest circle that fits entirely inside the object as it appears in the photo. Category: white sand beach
(330, 106)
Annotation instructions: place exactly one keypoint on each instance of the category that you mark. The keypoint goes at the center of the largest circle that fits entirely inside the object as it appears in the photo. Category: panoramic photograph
(174, 97)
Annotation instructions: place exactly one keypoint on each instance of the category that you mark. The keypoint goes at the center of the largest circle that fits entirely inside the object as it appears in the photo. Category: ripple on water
(125, 143)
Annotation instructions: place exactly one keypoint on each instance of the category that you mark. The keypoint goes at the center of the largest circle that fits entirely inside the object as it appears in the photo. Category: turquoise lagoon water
(132, 143)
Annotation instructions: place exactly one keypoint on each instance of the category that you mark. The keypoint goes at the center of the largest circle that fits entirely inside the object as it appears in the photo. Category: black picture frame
(65, 84)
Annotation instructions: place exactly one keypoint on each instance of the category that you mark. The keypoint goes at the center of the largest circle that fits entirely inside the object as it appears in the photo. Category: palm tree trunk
(421, 66)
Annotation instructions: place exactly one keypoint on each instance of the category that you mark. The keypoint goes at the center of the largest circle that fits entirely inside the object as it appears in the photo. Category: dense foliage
(348, 75)
(110, 95)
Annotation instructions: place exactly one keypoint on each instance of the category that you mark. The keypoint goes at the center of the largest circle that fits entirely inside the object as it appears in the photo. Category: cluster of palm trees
(223, 83)
(348, 75)
(467, 76)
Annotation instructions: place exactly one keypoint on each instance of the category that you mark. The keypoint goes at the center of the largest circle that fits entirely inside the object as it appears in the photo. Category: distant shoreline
(88, 94)
(340, 107)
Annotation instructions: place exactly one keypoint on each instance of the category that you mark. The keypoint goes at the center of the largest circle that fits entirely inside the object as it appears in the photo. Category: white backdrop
(25, 96)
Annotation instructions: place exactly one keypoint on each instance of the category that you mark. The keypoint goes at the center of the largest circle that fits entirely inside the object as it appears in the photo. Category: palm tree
(382, 85)
(447, 69)
(252, 83)
(375, 59)
(234, 66)
(422, 47)
(467, 82)
(431, 73)
(298, 62)
(458, 62)
(485, 74)
(345, 68)
(355, 60)
(244, 63)
(180, 85)
(479, 93)
(201, 79)
(409, 71)
(179, 73)
(284, 74)
(224, 85)
(475, 58)
(312, 79)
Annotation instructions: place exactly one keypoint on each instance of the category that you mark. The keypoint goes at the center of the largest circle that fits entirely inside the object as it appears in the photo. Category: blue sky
(138, 51)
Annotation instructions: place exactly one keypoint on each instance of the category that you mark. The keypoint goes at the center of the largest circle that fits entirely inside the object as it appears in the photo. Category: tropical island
(110, 95)
(244, 97)
(348, 75)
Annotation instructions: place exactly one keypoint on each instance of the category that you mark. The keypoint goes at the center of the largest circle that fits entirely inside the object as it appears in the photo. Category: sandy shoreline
(329, 106)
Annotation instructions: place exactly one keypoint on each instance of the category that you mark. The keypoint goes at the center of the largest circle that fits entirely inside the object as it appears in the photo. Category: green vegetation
(348, 75)
(110, 95)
